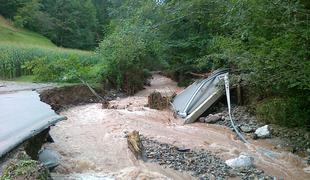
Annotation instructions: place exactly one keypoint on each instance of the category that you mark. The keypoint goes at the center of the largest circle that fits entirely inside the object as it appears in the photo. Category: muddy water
(92, 141)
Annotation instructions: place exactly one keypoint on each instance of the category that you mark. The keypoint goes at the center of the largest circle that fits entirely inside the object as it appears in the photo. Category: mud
(63, 97)
(92, 141)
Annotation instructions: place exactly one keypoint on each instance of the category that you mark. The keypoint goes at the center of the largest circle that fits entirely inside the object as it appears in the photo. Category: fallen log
(135, 144)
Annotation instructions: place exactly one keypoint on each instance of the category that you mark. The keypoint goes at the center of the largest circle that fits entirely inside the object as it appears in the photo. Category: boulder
(263, 132)
(243, 161)
(49, 158)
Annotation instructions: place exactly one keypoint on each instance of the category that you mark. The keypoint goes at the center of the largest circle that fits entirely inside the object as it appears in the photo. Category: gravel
(200, 163)
(296, 140)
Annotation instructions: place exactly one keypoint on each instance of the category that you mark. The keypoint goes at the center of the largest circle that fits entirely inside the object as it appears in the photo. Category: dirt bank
(62, 97)
(92, 141)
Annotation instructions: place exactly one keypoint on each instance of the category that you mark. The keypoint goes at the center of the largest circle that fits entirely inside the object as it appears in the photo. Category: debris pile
(201, 163)
(157, 101)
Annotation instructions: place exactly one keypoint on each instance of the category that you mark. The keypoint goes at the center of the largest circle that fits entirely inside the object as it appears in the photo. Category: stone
(49, 158)
(308, 151)
(242, 161)
(202, 119)
(246, 128)
(213, 118)
(263, 132)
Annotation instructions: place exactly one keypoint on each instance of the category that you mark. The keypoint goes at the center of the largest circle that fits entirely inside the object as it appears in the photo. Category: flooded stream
(92, 141)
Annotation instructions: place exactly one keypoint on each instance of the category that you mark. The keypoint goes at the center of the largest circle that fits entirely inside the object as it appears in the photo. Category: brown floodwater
(92, 141)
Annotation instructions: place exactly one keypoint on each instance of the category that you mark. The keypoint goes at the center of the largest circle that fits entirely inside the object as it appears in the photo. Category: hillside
(10, 34)
(25, 54)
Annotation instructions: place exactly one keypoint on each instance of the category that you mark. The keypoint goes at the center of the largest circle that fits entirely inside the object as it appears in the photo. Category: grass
(26, 78)
(19, 47)
(13, 58)
(10, 34)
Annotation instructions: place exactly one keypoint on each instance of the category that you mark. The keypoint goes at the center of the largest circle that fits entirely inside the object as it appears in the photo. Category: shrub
(288, 111)
(125, 57)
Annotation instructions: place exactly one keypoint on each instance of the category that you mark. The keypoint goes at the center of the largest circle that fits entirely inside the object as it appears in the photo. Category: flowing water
(92, 141)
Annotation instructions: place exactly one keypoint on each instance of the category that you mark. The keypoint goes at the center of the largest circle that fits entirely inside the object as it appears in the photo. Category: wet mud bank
(60, 98)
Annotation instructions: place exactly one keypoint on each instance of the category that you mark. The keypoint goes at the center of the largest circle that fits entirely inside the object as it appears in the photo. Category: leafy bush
(125, 57)
(289, 111)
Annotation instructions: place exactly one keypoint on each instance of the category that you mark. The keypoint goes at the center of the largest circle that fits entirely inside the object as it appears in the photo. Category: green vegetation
(47, 64)
(289, 111)
(21, 50)
(24, 168)
(264, 42)
(68, 23)
(10, 34)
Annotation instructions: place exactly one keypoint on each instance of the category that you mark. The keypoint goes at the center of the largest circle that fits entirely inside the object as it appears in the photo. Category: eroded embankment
(60, 98)
(92, 141)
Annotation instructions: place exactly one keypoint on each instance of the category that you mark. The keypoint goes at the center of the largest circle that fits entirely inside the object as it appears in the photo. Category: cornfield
(13, 57)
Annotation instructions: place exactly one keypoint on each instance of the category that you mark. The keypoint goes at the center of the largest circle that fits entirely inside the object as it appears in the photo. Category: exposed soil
(64, 97)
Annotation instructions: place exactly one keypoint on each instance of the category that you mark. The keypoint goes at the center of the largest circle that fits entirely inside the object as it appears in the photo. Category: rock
(240, 162)
(213, 118)
(307, 170)
(263, 132)
(49, 158)
(308, 151)
(246, 128)
(202, 119)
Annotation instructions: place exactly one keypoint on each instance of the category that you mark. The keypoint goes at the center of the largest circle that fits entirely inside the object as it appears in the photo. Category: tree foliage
(266, 42)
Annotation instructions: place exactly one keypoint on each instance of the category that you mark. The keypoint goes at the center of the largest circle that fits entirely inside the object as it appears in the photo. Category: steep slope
(10, 34)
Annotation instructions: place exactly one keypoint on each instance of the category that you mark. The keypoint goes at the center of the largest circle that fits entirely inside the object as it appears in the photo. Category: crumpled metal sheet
(23, 115)
(198, 97)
